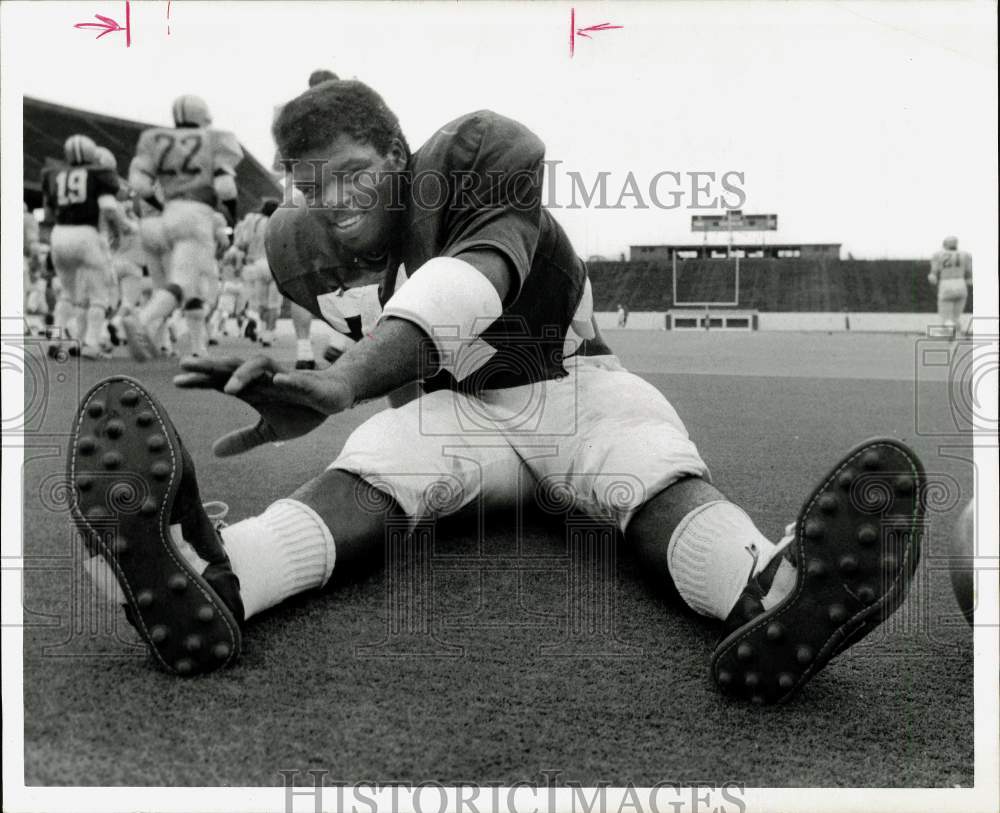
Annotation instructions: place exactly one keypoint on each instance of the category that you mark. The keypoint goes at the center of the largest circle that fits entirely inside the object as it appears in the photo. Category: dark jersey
(476, 184)
(72, 192)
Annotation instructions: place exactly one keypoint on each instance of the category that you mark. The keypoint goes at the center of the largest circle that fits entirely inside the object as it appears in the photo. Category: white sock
(62, 316)
(94, 323)
(711, 555)
(78, 322)
(195, 319)
(304, 350)
(286, 550)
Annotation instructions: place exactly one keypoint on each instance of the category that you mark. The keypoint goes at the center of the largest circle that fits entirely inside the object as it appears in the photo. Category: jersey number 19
(71, 187)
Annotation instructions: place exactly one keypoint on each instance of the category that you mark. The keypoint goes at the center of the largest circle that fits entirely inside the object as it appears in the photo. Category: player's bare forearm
(384, 360)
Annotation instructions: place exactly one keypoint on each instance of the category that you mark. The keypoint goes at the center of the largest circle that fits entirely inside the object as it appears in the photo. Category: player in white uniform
(951, 272)
(519, 398)
(262, 291)
(196, 167)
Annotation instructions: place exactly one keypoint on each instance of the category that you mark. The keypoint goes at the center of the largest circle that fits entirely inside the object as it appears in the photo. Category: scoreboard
(734, 220)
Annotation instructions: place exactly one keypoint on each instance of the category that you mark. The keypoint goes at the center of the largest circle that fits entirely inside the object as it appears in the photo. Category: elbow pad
(453, 303)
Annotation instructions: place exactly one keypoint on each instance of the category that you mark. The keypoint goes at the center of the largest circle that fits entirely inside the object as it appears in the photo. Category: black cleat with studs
(131, 479)
(855, 550)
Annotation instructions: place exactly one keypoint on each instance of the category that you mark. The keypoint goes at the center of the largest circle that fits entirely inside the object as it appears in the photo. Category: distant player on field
(196, 168)
(486, 304)
(262, 291)
(951, 272)
(77, 194)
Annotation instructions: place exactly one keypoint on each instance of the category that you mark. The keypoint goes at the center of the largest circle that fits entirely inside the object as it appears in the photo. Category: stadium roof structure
(48, 125)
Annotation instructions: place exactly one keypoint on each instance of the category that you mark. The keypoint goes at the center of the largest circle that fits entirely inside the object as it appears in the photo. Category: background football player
(262, 292)
(77, 194)
(951, 271)
(196, 167)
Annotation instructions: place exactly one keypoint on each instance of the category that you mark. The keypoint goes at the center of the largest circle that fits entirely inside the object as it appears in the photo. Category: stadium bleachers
(888, 286)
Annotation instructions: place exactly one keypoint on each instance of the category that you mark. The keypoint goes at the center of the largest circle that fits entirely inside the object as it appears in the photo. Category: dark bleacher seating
(793, 284)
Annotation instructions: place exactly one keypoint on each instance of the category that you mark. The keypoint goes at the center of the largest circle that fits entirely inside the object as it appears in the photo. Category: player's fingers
(259, 367)
(243, 440)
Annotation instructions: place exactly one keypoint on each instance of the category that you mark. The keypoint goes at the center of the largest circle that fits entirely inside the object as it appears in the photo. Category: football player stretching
(519, 397)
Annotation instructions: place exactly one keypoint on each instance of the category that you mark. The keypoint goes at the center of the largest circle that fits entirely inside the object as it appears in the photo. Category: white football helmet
(191, 110)
(80, 149)
(950, 243)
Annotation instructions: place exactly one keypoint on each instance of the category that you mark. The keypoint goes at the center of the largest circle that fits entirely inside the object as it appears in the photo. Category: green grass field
(499, 690)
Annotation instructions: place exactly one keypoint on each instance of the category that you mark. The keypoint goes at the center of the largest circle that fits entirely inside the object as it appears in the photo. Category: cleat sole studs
(86, 445)
(144, 598)
(111, 460)
(744, 651)
(130, 398)
(221, 650)
(775, 631)
(870, 460)
(155, 443)
(158, 634)
(837, 613)
(95, 409)
(205, 614)
(145, 418)
(160, 470)
(178, 582)
(804, 654)
(114, 429)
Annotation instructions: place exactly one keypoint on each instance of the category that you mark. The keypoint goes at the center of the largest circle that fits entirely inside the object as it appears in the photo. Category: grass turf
(490, 702)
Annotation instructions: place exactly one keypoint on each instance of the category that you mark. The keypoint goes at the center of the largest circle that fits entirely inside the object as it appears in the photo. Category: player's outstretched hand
(290, 404)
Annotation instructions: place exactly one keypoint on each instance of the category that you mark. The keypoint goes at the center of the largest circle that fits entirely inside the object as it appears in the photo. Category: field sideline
(494, 696)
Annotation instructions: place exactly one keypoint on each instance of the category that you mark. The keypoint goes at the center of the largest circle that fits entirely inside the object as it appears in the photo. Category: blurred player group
(157, 262)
